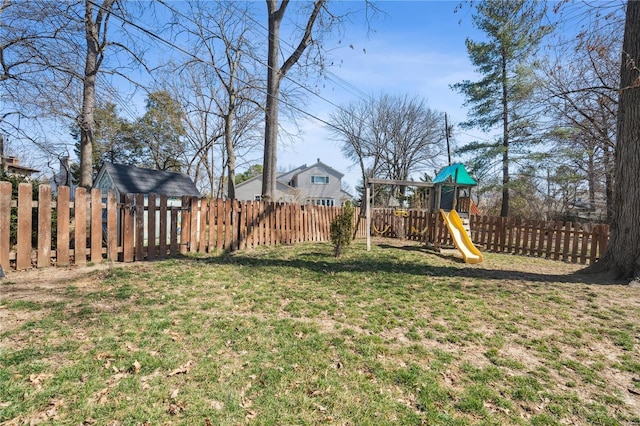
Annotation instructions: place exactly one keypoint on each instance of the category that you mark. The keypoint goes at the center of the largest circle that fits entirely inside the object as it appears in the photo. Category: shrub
(342, 228)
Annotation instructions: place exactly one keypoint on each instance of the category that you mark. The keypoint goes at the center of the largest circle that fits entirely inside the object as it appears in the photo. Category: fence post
(44, 226)
(5, 224)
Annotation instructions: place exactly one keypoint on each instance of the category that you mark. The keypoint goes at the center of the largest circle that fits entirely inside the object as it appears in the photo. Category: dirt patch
(41, 286)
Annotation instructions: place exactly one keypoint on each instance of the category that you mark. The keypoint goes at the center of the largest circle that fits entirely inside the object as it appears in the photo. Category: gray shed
(124, 179)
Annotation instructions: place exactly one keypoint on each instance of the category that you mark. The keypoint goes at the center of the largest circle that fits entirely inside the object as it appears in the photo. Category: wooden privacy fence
(60, 231)
(567, 241)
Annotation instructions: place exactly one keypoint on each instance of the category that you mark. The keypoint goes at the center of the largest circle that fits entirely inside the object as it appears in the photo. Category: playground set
(394, 213)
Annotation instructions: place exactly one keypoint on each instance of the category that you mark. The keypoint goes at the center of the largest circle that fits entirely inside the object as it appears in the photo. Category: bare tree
(27, 32)
(359, 141)
(584, 109)
(218, 85)
(275, 74)
(390, 137)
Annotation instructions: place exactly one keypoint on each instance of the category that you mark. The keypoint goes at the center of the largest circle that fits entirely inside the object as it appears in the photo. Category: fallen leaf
(320, 407)
(101, 396)
(217, 405)
(183, 369)
(176, 408)
(174, 393)
(136, 367)
(37, 379)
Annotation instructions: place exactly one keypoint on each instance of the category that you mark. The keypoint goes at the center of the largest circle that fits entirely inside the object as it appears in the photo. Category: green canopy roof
(455, 173)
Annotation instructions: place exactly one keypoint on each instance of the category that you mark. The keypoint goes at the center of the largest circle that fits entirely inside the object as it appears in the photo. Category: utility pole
(446, 135)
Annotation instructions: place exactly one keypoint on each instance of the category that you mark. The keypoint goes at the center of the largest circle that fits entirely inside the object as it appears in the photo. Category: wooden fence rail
(43, 231)
(39, 230)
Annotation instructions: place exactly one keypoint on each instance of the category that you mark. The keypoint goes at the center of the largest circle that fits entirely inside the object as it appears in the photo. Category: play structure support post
(368, 215)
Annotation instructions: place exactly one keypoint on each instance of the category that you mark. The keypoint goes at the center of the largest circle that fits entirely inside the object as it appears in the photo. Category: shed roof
(136, 180)
(455, 173)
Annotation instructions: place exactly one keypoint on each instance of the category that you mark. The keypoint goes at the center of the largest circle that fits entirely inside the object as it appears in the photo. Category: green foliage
(113, 140)
(499, 98)
(342, 229)
(253, 171)
(161, 132)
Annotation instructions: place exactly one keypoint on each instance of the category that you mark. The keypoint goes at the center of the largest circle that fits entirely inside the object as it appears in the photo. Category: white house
(316, 184)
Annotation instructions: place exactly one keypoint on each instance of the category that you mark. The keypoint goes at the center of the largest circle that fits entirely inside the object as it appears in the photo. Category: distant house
(11, 166)
(318, 184)
(123, 179)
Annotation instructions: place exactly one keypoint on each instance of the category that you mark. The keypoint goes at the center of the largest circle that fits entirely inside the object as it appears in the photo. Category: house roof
(136, 180)
(455, 173)
(285, 178)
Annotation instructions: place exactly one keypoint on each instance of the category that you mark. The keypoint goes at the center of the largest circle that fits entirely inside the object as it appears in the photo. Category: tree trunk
(622, 258)
(87, 122)
(271, 113)
(504, 211)
(275, 73)
(231, 155)
(608, 180)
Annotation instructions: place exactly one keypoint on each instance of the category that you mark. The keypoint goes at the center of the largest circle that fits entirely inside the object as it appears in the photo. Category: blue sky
(417, 48)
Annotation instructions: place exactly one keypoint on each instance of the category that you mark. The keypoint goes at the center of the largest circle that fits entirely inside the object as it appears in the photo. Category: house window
(257, 198)
(320, 179)
(329, 202)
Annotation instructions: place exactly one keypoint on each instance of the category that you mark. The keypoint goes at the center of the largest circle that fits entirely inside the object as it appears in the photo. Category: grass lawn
(291, 335)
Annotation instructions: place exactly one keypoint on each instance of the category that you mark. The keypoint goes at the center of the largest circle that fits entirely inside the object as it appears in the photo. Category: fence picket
(139, 227)
(203, 225)
(5, 225)
(185, 226)
(80, 223)
(96, 226)
(165, 222)
(25, 194)
(194, 213)
(62, 226)
(558, 249)
(174, 243)
(112, 225)
(127, 227)
(151, 227)
(44, 226)
(541, 230)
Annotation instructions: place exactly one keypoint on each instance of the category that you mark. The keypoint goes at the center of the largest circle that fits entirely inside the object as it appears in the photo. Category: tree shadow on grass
(323, 262)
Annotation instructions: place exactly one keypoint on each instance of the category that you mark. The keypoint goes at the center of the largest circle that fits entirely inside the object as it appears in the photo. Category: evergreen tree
(501, 98)
(161, 133)
(112, 141)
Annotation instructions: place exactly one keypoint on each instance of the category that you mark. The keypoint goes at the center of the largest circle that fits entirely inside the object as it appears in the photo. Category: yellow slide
(470, 253)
